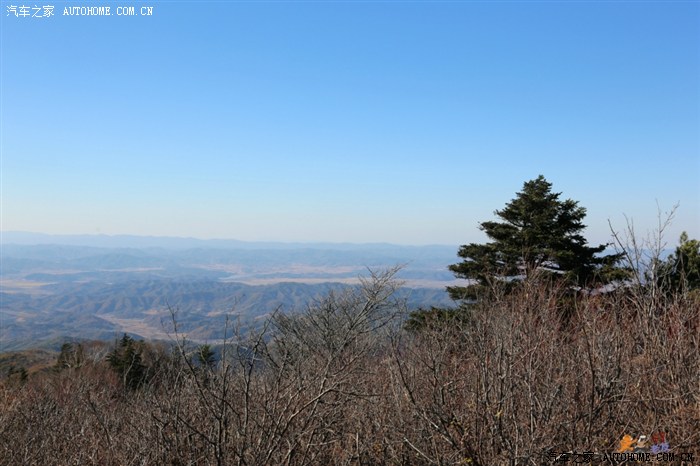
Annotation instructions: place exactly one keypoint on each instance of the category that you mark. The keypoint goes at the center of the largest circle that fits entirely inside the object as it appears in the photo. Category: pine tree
(682, 268)
(206, 357)
(539, 234)
(126, 360)
(70, 357)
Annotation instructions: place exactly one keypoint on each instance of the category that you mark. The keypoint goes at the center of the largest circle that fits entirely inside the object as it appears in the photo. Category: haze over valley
(54, 288)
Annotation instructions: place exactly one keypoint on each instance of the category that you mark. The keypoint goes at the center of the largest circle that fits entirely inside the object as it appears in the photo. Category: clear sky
(357, 121)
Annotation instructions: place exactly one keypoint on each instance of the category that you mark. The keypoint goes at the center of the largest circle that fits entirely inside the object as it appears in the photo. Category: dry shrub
(533, 372)
(521, 381)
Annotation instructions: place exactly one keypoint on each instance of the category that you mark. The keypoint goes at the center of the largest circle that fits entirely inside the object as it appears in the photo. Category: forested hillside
(49, 292)
(143, 308)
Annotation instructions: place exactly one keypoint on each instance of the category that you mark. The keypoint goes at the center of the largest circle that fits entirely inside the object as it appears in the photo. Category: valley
(52, 292)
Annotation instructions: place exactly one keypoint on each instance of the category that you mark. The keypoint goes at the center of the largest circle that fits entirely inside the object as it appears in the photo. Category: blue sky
(402, 122)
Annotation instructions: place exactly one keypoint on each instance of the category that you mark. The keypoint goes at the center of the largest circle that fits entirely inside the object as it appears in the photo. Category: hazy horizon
(39, 235)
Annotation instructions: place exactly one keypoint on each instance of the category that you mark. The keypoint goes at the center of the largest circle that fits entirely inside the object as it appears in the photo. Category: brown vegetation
(526, 374)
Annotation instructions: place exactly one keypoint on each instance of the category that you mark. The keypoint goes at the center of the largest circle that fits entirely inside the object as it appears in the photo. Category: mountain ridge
(176, 242)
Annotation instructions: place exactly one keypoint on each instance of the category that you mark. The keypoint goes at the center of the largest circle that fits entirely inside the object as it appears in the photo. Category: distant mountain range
(54, 287)
(172, 242)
